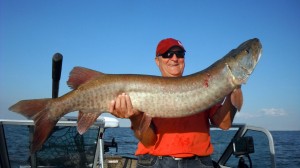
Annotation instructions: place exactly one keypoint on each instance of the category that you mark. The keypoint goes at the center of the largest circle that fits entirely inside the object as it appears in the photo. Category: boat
(67, 148)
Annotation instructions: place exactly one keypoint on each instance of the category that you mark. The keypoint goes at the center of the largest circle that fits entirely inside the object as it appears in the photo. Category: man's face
(171, 67)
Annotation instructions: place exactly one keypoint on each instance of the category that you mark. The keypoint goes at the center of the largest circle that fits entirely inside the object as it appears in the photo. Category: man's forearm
(146, 137)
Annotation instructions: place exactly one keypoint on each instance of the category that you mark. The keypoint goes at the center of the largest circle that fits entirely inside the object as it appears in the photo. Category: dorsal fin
(80, 75)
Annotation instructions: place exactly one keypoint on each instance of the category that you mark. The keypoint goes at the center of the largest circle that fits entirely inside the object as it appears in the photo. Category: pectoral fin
(237, 98)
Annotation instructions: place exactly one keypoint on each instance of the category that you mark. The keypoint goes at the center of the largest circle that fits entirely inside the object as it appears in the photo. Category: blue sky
(121, 37)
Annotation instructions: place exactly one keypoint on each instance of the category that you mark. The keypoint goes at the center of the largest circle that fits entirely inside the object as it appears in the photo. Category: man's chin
(175, 74)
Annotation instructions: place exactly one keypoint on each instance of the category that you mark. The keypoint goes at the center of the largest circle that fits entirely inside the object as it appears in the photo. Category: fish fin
(85, 120)
(80, 75)
(29, 108)
(145, 123)
(37, 110)
(237, 98)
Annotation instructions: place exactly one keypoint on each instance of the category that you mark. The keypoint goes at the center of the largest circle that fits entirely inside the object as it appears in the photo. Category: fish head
(243, 60)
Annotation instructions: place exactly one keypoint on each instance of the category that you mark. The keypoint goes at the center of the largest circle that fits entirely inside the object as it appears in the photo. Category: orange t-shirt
(181, 137)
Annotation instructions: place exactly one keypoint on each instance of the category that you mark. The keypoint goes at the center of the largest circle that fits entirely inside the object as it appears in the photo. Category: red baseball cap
(165, 44)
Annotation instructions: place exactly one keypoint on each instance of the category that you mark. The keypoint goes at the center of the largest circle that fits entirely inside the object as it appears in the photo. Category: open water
(287, 145)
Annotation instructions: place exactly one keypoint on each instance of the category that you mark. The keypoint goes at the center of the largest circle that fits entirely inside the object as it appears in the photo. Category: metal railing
(242, 130)
(4, 157)
(98, 157)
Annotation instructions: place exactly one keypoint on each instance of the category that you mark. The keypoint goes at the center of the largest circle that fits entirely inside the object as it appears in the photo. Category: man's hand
(122, 107)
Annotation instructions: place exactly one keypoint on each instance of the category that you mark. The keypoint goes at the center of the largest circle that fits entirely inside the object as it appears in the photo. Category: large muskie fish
(154, 95)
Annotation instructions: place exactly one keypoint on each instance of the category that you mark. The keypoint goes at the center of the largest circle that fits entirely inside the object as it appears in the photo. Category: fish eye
(247, 51)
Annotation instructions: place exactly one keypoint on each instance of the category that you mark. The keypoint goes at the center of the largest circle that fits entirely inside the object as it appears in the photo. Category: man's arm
(122, 107)
(224, 116)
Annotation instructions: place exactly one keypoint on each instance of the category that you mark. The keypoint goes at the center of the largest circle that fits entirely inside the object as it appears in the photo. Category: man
(175, 142)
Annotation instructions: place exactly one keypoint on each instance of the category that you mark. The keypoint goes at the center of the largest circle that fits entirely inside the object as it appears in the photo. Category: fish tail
(37, 110)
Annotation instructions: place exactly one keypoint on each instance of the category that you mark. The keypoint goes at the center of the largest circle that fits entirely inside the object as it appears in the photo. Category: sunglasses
(169, 54)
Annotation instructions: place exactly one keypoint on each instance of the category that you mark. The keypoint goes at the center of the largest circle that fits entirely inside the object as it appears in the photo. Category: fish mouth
(259, 55)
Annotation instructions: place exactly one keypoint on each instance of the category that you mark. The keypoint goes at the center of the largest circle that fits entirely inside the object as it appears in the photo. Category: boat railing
(242, 129)
(64, 141)
(97, 144)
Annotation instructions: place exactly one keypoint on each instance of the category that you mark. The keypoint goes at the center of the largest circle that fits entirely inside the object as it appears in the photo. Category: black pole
(56, 71)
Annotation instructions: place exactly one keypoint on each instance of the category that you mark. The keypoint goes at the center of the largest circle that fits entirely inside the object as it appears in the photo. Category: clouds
(273, 112)
(265, 112)
(271, 118)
